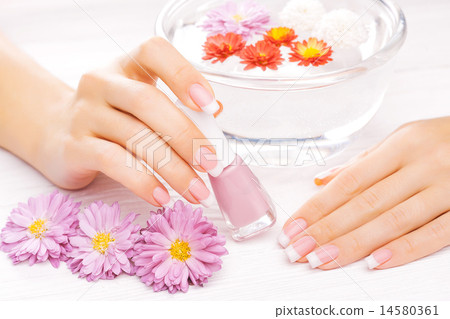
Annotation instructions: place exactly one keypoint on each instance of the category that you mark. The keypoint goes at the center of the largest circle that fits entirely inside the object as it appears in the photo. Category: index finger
(352, 181)
(157, 111)
(158, 57)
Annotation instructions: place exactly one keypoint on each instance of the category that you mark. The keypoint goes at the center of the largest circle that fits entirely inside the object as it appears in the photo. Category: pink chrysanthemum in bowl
(247, 19)
(104, 244)
(39, 230)
(179, 247)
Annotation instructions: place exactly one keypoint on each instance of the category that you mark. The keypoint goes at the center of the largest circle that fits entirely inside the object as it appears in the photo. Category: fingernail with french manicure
(203, 98)
(378, 257)
(318, 179)
(208, 161)
(294, 228)
(201, 192)
(161, 196)
(322, 255)
(300, 248)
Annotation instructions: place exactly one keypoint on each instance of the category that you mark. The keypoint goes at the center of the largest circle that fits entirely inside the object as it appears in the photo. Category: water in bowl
(310, 118)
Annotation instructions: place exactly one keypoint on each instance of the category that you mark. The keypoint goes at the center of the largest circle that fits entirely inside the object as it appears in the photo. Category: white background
(63, 39)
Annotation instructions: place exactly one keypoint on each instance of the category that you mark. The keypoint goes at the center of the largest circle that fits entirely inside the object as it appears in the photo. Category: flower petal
(86, 227)
(12, 237)
(21, 220)
(91, 257)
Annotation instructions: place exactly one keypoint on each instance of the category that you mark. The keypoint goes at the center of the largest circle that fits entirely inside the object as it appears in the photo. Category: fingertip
(206, 157)
(289, 221)
(211, 108)
(333, 264)
(325, 177)
(292, 254)
(286, 223)
(203, 98)
(371, 262)
(318, 181)
(378, 258)
(314, 260)
(161, 196)
(302, 260)
(374, 265)
(209, 201)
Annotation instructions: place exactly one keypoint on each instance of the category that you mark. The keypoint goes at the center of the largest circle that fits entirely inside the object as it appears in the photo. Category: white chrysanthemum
(302, 15)
(341, 29)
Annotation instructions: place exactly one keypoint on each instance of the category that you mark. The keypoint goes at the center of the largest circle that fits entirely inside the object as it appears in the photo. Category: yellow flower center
(37, 228)
(238, 18)
(312, 49)
(180, 250)
(226, 46)
(311, 52)
(279, 33)
(262, 54)
(101, 242)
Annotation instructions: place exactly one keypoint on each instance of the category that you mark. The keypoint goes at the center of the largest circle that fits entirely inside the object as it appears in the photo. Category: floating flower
(311, 52)
(104, 244)
(302, 15)
(342, 29)
(246, 19)
(39, 230)
(263, 54)
(179, 247)
(219, 47)
(280, 36)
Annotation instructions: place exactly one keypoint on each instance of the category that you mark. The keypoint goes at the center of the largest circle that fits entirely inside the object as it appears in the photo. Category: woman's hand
(97, 127)
(391, 204)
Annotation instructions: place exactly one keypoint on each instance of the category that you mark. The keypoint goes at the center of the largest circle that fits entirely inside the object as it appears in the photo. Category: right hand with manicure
(87, 131)
(390, 205)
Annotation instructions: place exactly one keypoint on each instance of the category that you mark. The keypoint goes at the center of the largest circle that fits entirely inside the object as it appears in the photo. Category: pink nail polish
(161, 196)
(243, 201)
(322, 255)
(378, 257)
(201, 192)
(208, 161)
(203, 98)
(300, 248)
(295, 227)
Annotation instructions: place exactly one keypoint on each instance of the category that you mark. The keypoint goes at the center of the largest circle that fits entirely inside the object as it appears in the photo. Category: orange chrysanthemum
(311, 52)
(280, 36)
(219, 47)
(263, 54)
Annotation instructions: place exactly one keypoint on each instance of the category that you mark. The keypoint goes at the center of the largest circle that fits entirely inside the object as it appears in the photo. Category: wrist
(26, 126)
(29, 100)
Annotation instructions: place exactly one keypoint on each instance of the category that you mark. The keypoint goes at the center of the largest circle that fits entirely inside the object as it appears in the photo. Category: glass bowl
(281, 118)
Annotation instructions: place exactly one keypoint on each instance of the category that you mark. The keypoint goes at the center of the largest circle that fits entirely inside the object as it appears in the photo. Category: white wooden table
(62, 38)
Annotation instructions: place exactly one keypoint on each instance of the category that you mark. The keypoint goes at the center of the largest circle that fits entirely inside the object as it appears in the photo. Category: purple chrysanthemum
(103, 246)
(39, 230)
(246, 19)
(179, 247)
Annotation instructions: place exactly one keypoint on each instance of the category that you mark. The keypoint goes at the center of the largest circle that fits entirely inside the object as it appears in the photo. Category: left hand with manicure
(391, 205)
(117, 122)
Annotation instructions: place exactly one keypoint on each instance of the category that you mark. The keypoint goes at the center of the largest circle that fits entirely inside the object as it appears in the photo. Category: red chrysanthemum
(311, 52)
(263, 54)
(280, 36)
(219, 47)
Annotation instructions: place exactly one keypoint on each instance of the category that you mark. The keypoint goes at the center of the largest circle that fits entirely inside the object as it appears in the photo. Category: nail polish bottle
(244, 203)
